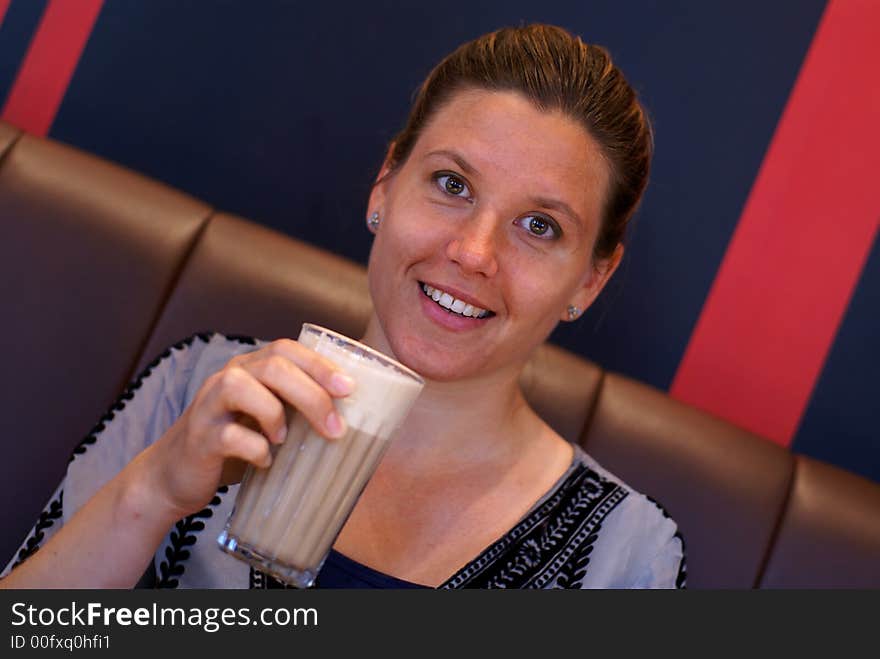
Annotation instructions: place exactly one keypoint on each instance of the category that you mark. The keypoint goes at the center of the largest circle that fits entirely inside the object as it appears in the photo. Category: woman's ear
(378, 192)
(386, 164)
(592, 285)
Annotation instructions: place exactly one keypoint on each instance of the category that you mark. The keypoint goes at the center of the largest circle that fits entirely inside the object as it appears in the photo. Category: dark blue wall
(281, 111)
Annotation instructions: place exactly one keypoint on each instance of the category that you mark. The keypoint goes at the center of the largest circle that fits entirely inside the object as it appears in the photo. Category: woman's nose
(474, 247)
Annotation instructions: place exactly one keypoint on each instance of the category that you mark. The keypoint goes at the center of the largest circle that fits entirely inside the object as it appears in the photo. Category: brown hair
(556, 71)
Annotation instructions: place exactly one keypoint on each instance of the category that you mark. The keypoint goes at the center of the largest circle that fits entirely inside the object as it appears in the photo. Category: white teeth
(446, 301)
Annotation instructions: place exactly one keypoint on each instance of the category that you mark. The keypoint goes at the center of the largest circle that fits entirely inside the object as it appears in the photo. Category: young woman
(499, 210)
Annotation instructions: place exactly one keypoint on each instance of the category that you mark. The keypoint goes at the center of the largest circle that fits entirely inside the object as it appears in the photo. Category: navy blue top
(339, 571)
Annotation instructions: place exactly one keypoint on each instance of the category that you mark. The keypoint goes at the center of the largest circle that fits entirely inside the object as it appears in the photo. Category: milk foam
(390, 387)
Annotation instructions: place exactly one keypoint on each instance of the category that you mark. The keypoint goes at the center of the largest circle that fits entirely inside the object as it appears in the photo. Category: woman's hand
(235, 417)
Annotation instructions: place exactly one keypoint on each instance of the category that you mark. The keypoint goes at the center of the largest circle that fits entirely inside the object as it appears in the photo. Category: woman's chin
(433, 361)
(437, 365)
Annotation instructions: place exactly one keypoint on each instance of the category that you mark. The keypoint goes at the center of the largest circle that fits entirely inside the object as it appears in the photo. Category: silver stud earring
(573, 312)
(373, 222)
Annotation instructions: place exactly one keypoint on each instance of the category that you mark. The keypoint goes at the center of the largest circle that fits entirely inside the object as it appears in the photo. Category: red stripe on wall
(4, 5)
(49, 63)
(803, 239)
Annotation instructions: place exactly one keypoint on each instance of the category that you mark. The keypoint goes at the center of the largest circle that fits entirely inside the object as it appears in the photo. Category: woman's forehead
(503, 135)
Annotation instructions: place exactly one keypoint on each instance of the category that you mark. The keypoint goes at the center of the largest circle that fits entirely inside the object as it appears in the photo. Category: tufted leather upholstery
(101, 268)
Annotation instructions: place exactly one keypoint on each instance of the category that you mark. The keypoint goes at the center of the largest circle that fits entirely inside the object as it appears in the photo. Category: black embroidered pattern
(553, 542)
(262, 581)
(183, 536)
(681, 578)
(256, 580)
(571, 575)
(241, 338)
(47, 518)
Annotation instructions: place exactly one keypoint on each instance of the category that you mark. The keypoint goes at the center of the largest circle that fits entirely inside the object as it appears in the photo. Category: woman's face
(495, 212)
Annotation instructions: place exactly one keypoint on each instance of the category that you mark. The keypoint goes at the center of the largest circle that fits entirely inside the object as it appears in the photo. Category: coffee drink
(287, 517)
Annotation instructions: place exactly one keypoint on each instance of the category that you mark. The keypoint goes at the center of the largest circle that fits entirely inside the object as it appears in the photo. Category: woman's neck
(472, 420)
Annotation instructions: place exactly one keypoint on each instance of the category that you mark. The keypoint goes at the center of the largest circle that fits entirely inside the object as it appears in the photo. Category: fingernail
(342, 384)
(335, 425)
(282, 435)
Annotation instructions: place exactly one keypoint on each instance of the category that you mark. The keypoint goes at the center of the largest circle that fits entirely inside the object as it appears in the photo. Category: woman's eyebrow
(466, 167)
(544, 202)
(559, 205)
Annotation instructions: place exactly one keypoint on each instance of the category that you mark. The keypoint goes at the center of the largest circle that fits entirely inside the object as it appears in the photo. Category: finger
(236, 441)
(297, 388)
(239, 392)
(322, 370)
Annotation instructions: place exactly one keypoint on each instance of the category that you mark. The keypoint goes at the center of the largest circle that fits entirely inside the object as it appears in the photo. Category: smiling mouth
(453, 305)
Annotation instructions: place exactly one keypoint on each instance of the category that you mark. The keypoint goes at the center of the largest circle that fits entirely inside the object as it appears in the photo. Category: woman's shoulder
(637, 532)
(639, 504)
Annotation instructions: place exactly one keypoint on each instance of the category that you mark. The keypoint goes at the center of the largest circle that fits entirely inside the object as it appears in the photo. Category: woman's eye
(452, 184)
(539, 226)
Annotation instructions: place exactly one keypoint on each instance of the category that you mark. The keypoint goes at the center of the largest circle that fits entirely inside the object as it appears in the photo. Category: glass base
(293, 576)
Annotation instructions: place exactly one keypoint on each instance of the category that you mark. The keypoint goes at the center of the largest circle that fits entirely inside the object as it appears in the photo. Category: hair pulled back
(556, 71)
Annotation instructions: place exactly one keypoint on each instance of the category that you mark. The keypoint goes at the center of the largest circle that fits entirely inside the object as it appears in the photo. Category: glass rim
(372, 352)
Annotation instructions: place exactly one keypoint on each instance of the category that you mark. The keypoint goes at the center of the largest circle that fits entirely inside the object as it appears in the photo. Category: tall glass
(287, 517)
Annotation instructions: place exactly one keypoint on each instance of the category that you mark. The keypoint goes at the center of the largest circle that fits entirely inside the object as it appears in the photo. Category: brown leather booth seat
(101, 268)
